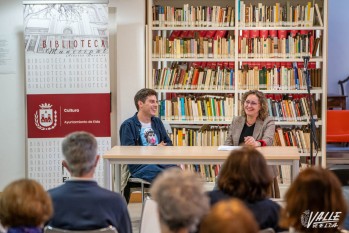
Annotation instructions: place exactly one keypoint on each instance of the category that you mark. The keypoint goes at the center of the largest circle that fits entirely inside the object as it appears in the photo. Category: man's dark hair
(142, 95)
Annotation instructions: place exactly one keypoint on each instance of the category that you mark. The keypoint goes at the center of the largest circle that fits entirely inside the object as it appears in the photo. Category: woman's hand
(251, 141)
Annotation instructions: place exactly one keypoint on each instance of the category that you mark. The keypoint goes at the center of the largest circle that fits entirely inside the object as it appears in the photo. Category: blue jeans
(147, 172)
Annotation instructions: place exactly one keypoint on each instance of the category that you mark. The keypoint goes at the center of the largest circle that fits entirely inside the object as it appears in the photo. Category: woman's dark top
(246, 131)
(266, 212)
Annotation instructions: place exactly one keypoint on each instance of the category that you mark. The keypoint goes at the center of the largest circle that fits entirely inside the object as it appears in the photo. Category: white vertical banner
(67, 83)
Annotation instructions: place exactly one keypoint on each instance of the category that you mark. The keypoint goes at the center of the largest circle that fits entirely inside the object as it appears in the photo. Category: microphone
(306, 61)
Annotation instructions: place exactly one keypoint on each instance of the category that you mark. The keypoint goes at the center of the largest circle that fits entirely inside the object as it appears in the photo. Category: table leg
(107, 174)
(117, 178)
(295, 169)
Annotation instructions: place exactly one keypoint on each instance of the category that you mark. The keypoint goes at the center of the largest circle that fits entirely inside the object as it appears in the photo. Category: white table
(186, 155)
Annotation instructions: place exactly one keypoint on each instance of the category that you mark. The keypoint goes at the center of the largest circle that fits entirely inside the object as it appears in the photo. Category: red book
(264, 33)
(220, 34)
(245, 33)
(202, 33)
(282, 34)
(254, 33)
(210, 34)
(174, 34)
(273, 33)
(293, 33)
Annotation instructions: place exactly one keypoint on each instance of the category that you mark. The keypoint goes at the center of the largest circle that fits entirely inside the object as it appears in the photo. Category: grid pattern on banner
(62, 74)
(45, 161)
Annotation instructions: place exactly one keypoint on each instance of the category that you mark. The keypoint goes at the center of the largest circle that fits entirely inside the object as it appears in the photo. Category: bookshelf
(203, 55)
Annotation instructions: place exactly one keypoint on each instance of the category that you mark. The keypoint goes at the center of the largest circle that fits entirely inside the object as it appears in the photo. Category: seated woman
(181, 200)
(315, 190)
(24, 207)
(254, 128)
(229, 216)
(245, 175)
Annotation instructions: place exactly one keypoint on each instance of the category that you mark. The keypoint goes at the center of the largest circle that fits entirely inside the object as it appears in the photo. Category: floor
(135, 210)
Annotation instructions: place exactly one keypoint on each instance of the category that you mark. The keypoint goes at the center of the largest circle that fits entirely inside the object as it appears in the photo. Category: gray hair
(80, 150)
(181, 199)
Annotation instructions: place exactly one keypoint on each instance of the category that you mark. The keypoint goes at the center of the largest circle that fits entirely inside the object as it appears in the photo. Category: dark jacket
(130, 136)
(266, 212)
(83, 205)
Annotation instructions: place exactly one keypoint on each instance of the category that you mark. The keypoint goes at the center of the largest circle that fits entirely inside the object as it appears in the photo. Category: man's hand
(162, 144)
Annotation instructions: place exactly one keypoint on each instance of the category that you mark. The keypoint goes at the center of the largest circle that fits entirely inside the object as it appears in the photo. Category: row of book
(278, 15)
(193, 16)
(299, 137)
(221, 76)
(290, 110)
(279, 47)
(249, 15)
(200, 47)
(208, 135)
(197, 108)
(196, 78)
(277, 78)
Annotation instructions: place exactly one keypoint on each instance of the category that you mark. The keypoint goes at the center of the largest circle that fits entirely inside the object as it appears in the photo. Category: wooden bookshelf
(191, 48)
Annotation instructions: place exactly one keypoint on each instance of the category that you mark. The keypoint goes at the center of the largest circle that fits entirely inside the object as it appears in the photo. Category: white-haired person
(181, 200)
(80, 203)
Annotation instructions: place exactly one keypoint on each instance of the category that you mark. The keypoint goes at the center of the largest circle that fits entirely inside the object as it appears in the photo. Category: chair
(50, 229)
(267, 230)
(150, 222)
(142, 182)
(342, 175)
(129, 182)
(341, 82)
(337, 128)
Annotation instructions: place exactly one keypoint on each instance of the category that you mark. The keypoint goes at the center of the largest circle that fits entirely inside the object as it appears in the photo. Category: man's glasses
(252, 103)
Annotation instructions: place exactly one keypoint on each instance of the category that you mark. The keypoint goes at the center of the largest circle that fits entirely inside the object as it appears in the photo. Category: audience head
(314, 190)
(80, 153)
(259, 100)
(181, 200)
(229, 216)
(142, 96)
(24, 203)
(245, 175)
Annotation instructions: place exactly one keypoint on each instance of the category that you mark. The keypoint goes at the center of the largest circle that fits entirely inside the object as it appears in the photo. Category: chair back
(337, 128)
(50, 229)
(267, 230)
(341, 84)
(150, 222)
(342, 175)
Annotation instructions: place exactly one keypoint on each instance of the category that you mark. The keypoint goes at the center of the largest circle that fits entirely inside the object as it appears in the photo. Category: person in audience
(181, 200)
(315, 191)
(144, 129)
(229, 216)
(24, 207)
(80, 203)
(245, 175)
(254, 128)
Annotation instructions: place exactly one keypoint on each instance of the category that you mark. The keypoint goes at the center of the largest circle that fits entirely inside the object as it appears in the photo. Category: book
(319, 18)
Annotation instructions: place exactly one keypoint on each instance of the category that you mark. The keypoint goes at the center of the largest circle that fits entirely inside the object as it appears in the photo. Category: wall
(127, 75)
(12, 98)
(338, 47)
(130, 57)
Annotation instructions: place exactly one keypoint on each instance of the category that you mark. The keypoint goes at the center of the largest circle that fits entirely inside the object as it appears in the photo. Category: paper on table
(229, 147)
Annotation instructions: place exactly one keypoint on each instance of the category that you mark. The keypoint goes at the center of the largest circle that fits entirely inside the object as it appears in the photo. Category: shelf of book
(260, 44)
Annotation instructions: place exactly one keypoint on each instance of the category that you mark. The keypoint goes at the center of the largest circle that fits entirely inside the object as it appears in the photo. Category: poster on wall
(67, 83)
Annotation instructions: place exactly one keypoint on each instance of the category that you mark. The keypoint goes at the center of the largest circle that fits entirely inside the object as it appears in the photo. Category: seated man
(144, 129)
(80, 204)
